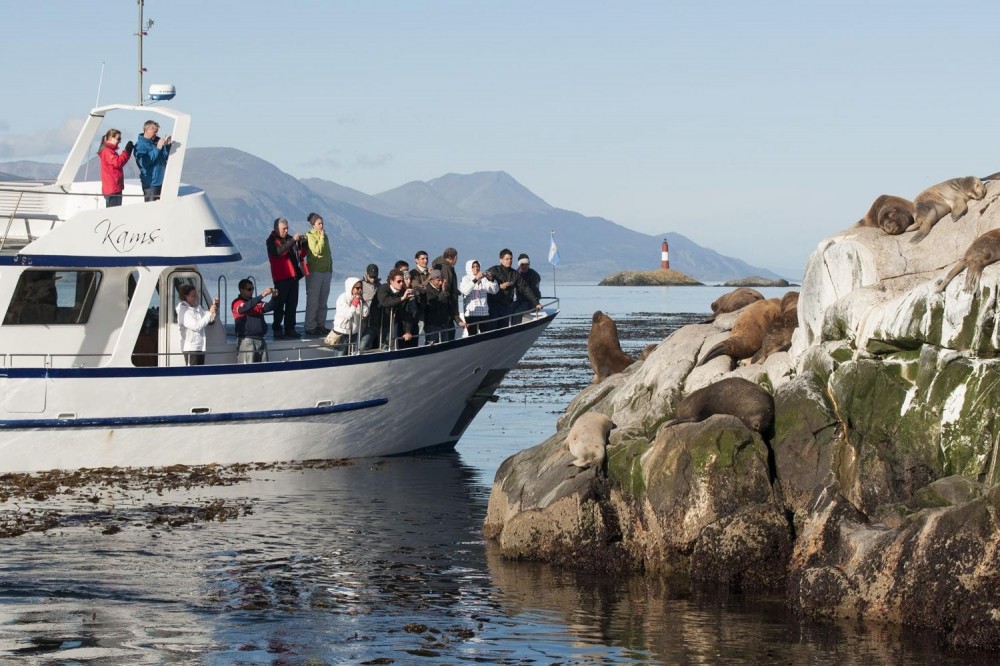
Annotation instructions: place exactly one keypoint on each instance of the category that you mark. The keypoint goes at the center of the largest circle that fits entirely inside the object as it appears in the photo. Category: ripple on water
(384, 562)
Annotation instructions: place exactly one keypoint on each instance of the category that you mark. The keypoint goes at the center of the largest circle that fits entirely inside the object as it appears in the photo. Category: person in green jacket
(320, 261)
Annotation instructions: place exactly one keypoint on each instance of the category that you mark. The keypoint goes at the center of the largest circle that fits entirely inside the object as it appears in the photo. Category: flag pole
(553, 259)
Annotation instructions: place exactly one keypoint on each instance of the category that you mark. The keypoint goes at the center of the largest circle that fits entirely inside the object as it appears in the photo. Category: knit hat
(372, 271)
(434, 274)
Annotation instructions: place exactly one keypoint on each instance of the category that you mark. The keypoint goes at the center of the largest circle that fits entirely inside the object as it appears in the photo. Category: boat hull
(323, 407)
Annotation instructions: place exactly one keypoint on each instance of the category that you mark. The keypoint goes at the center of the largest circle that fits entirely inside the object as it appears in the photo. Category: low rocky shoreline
(757, 281)
(874, 495)
(657, 278)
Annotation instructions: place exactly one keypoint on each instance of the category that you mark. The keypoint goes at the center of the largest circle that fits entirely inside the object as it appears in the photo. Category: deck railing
(278, 351)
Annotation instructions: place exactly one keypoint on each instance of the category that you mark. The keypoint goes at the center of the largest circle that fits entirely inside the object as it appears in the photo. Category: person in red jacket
(113, 167)
(286, 253)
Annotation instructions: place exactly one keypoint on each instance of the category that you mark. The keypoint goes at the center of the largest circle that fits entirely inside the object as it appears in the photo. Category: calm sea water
(383, 561)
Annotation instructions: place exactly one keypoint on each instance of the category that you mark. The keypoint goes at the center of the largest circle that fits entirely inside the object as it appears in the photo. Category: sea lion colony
(765, 327)
(894, 215)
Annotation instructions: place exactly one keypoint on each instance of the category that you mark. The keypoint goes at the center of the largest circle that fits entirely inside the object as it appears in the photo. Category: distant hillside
(31, 170)
(419, 199)
(488, 193)
(477, 213)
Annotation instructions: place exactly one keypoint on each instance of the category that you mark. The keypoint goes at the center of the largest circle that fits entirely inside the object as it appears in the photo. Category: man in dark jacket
(285, 254)
(531, 278)
(396, 311)
(248, 314)
(511, 287)
(418, 281)
(436, 308)
(449, 284)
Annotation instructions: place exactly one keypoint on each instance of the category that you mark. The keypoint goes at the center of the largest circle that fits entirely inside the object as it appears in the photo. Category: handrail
(222, 293)
(10, 221)
(57, 191)
(49, 359)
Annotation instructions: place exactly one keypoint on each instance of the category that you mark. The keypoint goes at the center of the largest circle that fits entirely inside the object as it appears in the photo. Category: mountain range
(477, 213)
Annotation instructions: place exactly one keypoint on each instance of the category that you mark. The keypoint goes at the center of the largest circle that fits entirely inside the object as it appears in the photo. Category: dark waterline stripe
(179, 419)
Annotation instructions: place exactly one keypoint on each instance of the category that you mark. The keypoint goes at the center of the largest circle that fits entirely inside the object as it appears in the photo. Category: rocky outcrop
(875, 493)
(757, 281)
(657, 278)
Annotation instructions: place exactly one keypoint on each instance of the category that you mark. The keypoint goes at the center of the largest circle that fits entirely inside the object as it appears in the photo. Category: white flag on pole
(553, 250)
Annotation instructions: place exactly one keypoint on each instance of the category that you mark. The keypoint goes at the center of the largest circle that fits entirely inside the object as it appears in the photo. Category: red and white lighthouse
(665, 256)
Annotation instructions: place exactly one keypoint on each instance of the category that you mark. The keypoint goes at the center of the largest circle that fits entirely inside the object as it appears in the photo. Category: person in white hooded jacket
(351, 309)
(475, 285)
(192, 320)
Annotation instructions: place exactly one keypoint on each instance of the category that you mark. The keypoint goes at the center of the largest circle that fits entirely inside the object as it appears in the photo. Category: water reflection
(383, 559)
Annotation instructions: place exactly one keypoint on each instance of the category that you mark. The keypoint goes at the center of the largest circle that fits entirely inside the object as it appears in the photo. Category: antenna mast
(143, 31)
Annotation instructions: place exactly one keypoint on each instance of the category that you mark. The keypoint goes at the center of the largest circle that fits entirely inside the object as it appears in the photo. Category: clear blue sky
(756, 129)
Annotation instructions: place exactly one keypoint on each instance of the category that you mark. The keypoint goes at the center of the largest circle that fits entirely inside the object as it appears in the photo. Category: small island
(663, 277)
(758, 281)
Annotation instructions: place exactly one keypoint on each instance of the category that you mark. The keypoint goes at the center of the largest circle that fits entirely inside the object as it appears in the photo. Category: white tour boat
(92, 371)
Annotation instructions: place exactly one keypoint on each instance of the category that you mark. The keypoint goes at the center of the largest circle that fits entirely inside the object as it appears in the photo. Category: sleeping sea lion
(588, 439)
(951, 196)
(891, 214)
(735, 396)
(778, 336)
(733, 301)
(982, 252)
(748, 332)
(603, 349)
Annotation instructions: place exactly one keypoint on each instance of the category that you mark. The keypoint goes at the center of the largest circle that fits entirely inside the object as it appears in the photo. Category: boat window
(178, 281)
(53, 297)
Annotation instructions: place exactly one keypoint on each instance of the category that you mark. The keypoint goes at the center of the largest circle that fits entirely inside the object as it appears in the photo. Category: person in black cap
(369, 286)
(531, 279)
(371, 283)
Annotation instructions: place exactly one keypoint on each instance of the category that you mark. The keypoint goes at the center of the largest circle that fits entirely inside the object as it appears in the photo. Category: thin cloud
(359, 162)
(372, 162)
(46, 142)
(324, 163)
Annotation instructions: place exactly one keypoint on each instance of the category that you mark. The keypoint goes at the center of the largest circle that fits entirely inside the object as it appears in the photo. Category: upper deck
(66, 223)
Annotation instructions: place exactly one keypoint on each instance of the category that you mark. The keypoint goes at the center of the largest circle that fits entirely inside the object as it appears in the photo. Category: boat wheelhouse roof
(65, 223)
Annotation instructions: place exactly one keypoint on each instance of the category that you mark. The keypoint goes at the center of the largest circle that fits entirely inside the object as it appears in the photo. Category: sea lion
(982, 252)
(603, 349)
(733, 301)
(778, 336)
(951, 196)
(588, 439)
(891, 214)
(748, 332)
(735, 396)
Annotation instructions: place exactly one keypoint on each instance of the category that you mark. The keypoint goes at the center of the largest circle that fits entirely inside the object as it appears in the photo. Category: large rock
(542, 507)
(875, 493)
(939, 569)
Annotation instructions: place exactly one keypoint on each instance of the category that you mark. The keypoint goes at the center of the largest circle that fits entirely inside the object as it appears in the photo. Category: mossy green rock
(697, 473)
(806, 436)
